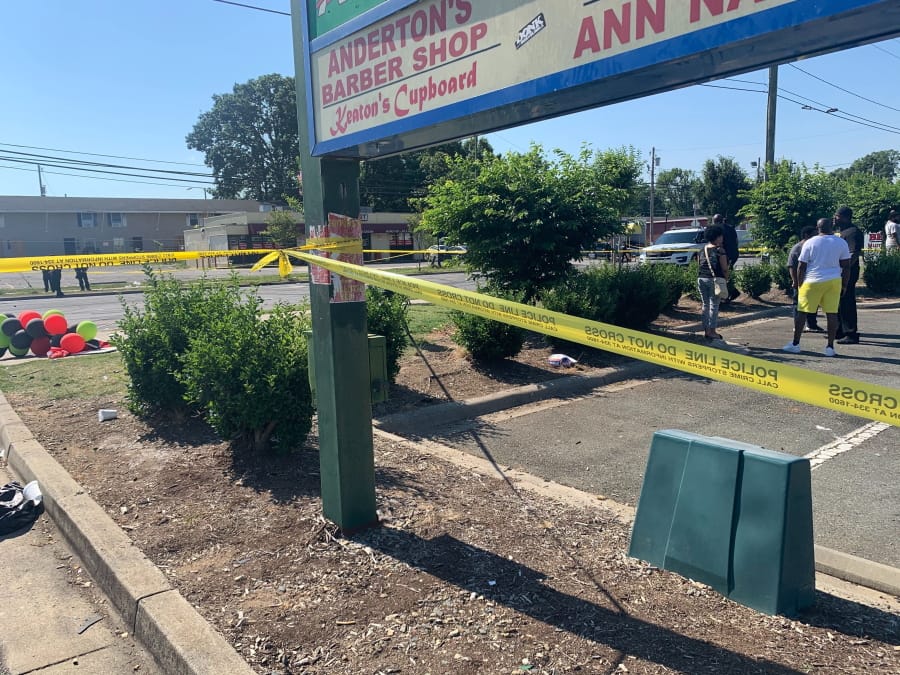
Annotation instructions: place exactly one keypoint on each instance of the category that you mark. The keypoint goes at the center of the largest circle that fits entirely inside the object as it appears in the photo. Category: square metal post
(340, 347)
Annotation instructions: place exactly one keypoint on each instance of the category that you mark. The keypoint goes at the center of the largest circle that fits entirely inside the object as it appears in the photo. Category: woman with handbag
(711, 280)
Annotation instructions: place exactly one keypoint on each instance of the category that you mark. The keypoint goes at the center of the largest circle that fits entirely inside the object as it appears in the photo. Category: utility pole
(41, 182)
(654, 160)
(770, 118)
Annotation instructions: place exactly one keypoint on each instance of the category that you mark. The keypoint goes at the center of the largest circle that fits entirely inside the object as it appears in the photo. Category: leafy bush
(152, 341)
(754, 280)
(631, 297)
(487, 340)
(882, 272)
(387, 315)
(677, 279)
(778, 270)
(249, 375)
(484, 339)
(693, 272)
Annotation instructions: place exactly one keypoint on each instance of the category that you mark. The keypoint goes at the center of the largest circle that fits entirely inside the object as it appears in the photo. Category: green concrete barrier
(734, 516)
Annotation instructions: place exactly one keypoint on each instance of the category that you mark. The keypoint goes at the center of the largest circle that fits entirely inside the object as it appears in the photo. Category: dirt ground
(465, 574)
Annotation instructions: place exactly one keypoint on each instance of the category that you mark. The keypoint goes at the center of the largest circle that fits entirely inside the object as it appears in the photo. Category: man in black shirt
(730, 244)
(848, 332)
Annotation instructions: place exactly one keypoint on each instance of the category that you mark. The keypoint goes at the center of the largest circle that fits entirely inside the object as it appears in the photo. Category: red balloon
(27, 315)
(56, 324)
(72, 343)
(40, 346)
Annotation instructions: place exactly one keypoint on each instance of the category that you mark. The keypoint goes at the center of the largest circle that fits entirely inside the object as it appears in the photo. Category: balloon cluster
(29, 331)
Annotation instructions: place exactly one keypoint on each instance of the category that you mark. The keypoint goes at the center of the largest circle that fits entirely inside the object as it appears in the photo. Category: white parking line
(844, 443)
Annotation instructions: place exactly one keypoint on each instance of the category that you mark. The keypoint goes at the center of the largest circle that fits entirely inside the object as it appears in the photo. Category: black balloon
(10, 326)
(54, 340)
(35, 328)
(93, 344)
(2, 351)
(21, 340)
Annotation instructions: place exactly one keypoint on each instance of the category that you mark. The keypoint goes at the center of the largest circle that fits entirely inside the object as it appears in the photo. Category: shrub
(631, 297)
(693, 272)
(249, 375)
(387, 314)
(881, 272)
(677, 279)
(754, 280)
(778, 270)
(152, 341)
(487, 340)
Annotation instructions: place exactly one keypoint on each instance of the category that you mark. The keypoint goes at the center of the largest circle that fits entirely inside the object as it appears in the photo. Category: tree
(282, 227)
(791, 197)
(675, 191)
(882, 164)
(722, 186)
(249, 138)
(523, 217)
(871, 198)
(393, 183)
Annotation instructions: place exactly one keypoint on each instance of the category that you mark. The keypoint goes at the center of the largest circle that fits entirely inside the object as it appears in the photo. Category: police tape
(842, 394)
(100, 260)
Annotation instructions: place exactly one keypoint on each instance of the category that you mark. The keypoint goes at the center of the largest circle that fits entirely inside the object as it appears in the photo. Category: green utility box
(732, 515)
(378, 376)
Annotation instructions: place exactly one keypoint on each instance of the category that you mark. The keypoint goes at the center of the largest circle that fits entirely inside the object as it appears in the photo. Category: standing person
(824, 274)
(891, 242)
(56, 282)
(713, 264)
(45, 274)
(848, 330)
(732, 252)
(82, 277)
(812, 326)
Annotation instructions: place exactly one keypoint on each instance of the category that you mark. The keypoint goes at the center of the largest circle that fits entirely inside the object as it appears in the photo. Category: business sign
(326, 15)
(427, 71)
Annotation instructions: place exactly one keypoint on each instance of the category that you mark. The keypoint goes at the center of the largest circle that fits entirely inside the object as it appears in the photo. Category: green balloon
(4, 340)
(87, 330)
(18, 352)
(50, 312)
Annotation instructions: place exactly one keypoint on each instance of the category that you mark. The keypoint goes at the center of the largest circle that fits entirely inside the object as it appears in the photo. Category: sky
(130, 78)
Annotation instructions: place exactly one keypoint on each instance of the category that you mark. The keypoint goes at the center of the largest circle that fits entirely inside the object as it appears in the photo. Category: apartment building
(33, 226)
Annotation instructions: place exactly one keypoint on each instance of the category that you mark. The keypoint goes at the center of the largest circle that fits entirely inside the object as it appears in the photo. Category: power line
(844, 112)
(112, 173)
(849, 117)
(96, 154)
(75, 175)
(261, 9)
(85, 162)
(882, 49)
(846, 91)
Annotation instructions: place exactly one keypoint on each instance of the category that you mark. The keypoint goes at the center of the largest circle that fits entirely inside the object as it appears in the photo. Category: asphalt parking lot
(599, 443)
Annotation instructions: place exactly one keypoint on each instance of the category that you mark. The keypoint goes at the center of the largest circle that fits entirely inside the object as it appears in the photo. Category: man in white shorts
(823, 272)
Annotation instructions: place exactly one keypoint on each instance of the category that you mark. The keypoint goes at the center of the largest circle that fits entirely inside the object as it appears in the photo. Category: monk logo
(535, 26)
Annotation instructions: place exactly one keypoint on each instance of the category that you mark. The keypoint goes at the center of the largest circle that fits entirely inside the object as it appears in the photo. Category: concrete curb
(170, 629)
(456, 411)
(860, 571)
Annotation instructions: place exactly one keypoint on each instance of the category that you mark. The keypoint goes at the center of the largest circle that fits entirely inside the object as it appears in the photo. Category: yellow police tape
(845, 395)
(862, 399)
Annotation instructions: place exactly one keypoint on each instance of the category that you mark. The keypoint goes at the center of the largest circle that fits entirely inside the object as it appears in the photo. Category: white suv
(675, 247)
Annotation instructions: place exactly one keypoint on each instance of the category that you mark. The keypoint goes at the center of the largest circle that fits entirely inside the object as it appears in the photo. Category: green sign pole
(340, 342)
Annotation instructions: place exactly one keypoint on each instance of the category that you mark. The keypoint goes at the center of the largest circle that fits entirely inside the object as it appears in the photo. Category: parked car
(680, 246)
(432, 253)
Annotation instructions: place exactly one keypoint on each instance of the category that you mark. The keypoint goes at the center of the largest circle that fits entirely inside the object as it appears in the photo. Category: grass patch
(75, 377)
(425, 318)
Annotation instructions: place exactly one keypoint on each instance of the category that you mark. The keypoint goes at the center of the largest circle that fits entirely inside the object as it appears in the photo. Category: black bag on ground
(19, 507)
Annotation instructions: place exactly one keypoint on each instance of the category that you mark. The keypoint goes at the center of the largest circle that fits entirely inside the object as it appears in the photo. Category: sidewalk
(54, 619)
